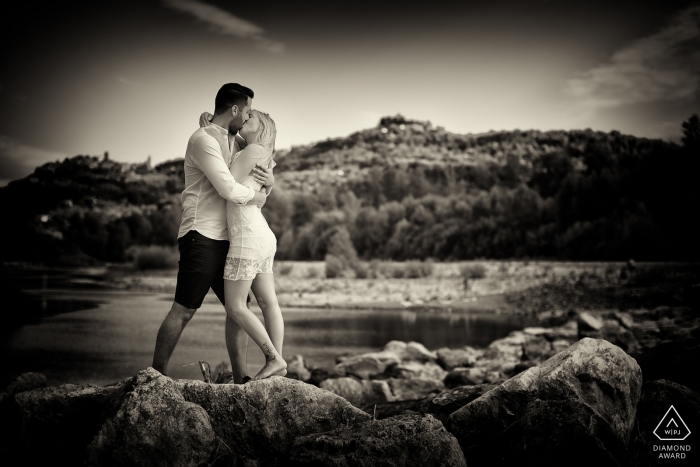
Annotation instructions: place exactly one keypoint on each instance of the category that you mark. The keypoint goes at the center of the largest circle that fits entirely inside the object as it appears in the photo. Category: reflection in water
(376, 328)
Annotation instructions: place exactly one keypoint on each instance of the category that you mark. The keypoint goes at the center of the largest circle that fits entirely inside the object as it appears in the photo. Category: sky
(132, 77)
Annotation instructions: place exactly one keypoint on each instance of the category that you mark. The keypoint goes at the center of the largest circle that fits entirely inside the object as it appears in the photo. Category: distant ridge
(404, 189)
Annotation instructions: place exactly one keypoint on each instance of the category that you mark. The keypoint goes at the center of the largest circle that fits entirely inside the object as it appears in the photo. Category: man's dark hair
(229, 95)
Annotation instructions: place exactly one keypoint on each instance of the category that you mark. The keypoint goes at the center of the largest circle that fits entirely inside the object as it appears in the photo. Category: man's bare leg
(237, 346)
(169, 334)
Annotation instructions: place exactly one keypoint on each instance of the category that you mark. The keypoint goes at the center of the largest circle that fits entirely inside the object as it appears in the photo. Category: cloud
(661, 67)
(223, 22)
(17, 160)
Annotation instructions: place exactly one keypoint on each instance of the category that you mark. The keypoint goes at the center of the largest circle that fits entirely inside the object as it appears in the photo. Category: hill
(401, 190)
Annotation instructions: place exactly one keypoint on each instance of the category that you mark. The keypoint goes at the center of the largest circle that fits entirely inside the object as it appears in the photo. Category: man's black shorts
(201, 266)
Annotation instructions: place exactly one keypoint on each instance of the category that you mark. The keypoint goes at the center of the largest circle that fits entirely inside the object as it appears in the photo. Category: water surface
(93, 335)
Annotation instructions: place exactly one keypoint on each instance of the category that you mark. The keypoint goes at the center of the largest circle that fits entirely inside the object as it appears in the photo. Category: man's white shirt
(209, 183)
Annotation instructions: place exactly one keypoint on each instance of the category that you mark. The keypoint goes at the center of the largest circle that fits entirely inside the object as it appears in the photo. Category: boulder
(24, 382)
(555, 433)
(588, 322)
(10, 419)
(453, 358)
(396, 441)
(383, 410)
(414, 369)
(69, 415)
(409, 351)
(504, 365)
(363, 366)
(657, 398)
(647, 334)
(568, 331)
(523, 366)
(359, 393)
(319, 375)
(508, 348)
(154, 426)
(464, 376)
(296, 369)
(494, 377)
(387, 357)
(446, 402)
(560, 344)
(537, 348)
(261, 419)
(414, 388)
(598, 382)
(417, 351)
(624, 318)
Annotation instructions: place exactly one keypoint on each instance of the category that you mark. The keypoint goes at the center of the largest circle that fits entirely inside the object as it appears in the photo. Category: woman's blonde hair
(267, 132)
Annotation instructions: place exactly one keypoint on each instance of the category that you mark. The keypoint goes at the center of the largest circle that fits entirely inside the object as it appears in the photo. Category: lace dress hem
(239, 269)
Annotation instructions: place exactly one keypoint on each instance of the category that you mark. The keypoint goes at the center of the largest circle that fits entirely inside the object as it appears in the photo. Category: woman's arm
(243, 165)
(241, 142)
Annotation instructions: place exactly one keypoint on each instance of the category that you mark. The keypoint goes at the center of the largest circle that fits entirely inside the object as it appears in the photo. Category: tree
(691, 134)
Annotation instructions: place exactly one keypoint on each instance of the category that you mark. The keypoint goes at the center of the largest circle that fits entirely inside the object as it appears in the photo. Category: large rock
(397, 441)
(69, 415)
(296, 369)
(596, 381)
(24, 382)
(359, 393)
(464, 377)
(587, 322)
(413, 369)
(568, 331)
(509, 348)
(261, 419)
(363, 366)
(154, 426)
(384, 410)
(410, 351)
(453, 358)
(537, 349)
(446, 402)
(414, 388)
(614, 332)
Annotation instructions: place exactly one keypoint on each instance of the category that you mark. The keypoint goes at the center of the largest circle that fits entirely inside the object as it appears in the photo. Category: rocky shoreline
(590, 390)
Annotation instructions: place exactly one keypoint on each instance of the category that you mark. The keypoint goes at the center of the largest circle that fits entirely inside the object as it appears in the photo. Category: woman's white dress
(252, 243)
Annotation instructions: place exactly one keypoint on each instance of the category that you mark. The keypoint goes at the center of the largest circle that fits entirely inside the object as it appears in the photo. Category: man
(203, 236)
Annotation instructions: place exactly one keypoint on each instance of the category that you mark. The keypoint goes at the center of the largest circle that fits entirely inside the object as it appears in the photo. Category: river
(87, 333)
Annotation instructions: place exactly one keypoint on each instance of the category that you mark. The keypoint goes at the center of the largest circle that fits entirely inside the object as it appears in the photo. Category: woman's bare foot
(274, 366)
(271, 370)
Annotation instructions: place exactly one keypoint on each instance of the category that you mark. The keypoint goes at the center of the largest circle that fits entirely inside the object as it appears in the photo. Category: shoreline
(545, 289)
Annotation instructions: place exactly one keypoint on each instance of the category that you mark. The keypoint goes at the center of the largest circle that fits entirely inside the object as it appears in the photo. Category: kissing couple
(225, 242)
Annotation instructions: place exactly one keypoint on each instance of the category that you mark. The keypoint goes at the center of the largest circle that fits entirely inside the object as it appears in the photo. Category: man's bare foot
(276, 367)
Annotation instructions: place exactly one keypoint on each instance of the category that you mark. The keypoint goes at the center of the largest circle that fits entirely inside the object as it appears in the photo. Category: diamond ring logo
(671, 427)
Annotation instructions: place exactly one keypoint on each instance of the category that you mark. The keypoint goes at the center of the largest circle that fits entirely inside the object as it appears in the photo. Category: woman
(252, 250)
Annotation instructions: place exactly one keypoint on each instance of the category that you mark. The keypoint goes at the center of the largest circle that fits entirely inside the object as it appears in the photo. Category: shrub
(473, 271)
(312, 272)
(154, 257)
(286, 269)
(362, 270)
(418, 269)
(334, 266)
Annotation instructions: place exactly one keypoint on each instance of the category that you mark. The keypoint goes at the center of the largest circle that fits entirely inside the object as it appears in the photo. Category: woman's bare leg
(236, 293)
(264, 290)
